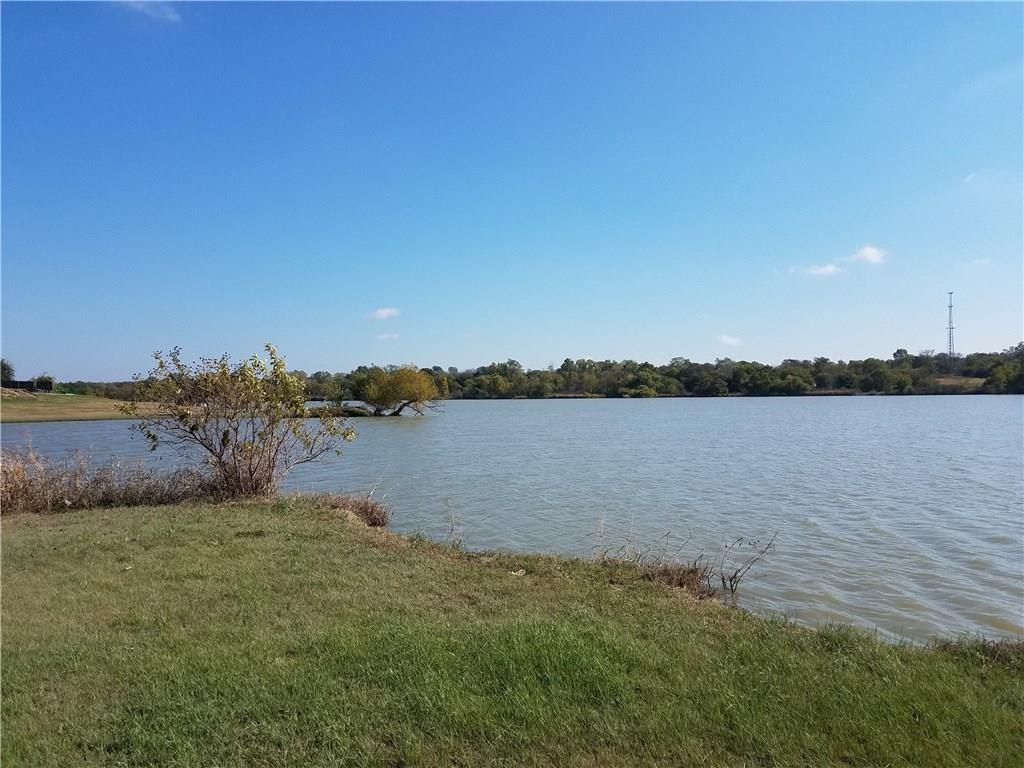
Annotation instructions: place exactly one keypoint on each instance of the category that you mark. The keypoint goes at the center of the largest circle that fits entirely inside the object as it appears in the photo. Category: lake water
(901, 514)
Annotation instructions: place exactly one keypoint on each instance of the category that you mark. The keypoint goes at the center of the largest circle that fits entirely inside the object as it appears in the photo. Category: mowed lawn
(281, 634)
(22, 407)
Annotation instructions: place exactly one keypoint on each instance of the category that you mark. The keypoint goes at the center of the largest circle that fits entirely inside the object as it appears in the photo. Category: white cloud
(384, 313)
(156, 10)
(825, 270)
(732, 341)
(869, 254)
(387, 336)
(970, 177)
(981, 262)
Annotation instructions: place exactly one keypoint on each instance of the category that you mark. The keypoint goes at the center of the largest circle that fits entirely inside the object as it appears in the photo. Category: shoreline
(30, 410)
(393, 642)
(676, 575)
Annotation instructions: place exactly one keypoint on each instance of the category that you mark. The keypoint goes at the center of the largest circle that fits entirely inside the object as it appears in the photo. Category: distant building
(43, 385)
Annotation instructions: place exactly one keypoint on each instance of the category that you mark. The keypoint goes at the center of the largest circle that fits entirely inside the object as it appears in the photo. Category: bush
(248, 421)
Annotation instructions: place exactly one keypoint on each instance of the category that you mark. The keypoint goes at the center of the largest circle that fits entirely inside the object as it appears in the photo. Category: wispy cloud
(970, 177)
(825, 270)
(869, 254)
(153, 9)
(732, 341)
(384, 313)
(980, 262)
(993, 84)
(387, 336)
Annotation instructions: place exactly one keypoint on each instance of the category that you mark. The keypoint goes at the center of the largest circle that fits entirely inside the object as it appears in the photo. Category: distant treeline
(904, 373)
(118, 390)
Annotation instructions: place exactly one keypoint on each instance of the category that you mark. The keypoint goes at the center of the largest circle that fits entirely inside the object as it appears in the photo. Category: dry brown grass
(28, 407)
(31, 483)
(15, 394)
(694, 577)
(371, 512)
(719, 575)
(959, 383)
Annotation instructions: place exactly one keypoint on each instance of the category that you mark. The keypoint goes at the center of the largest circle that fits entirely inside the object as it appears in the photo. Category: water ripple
(902, 514)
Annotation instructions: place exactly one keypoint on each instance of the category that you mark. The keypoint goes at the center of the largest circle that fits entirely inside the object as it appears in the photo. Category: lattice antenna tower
(949, 328)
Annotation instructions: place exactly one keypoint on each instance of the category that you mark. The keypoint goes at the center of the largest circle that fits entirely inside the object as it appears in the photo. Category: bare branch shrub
(456, 538)
(732, 570)
(702, 576)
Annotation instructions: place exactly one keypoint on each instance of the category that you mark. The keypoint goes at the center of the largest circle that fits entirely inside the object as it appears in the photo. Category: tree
(390, 391)
(248, 422)
(902, 382)
(845, 379)
(874, 376)
(759, 379)
(440, 382)
(791, 384)
(709, 384)
(1007, 378)
(6, 370)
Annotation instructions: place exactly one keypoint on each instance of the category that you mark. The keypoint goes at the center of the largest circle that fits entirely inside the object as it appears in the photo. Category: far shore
(23, 407)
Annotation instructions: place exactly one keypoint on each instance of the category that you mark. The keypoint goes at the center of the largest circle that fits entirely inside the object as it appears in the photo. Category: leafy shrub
(247, 421)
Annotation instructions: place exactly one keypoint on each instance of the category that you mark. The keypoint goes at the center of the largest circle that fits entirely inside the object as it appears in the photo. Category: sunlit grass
(47, 407)
(283, 634)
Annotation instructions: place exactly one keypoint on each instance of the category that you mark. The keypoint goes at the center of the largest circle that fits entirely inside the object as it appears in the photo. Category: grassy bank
(24, 407)
(280, 633)
(20, 407)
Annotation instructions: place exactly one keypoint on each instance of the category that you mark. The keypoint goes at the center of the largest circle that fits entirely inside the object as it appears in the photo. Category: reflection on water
(904, 514)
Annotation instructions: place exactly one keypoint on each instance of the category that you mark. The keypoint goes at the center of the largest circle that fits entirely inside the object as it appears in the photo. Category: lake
(901, 514)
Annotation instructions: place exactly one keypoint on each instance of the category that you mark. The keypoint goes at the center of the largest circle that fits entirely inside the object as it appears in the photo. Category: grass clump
(717, 576)
(695, 578)
(369, 511)
(32, 483)
(1008, 652)
(272, 634)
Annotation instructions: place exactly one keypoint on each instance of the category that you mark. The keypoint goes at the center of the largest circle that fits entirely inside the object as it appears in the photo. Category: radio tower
(950, 329)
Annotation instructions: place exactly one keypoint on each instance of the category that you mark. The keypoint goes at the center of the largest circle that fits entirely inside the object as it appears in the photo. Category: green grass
(280, 634)
(24, 407)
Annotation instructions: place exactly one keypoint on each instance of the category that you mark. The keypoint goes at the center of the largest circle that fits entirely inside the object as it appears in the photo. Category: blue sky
(460, 183)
